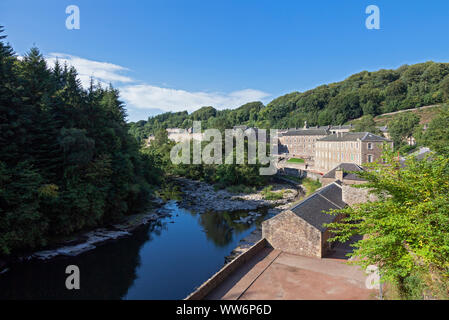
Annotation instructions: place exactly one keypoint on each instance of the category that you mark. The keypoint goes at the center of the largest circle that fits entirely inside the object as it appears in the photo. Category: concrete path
(273, 274)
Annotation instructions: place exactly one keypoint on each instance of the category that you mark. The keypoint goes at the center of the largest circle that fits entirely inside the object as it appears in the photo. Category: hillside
(364, 93)
(426, 114)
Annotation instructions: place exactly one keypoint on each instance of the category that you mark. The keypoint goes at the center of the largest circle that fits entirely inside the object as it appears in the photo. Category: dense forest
(67, 161)
(362, 94)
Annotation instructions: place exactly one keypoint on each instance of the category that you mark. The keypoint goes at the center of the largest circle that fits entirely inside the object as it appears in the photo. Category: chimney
(339, 174)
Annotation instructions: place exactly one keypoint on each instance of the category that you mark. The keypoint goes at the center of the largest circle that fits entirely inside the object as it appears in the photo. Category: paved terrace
(271, 274)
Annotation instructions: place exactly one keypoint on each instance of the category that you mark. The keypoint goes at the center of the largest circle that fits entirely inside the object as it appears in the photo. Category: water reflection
(162, 261)
(221, 228)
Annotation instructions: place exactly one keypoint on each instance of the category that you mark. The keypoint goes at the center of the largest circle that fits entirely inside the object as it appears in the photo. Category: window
(370, 158)
(370, 146)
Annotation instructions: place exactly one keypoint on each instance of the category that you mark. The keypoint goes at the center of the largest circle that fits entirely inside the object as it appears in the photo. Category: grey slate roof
(311, 209)
(346, 167)
(354, 136)
(307, 132)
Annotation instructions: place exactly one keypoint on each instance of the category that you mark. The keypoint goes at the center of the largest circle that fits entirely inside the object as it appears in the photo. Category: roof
(348, 169)
(354, 136)
(325, 199)
(306, 132)
(346, 126)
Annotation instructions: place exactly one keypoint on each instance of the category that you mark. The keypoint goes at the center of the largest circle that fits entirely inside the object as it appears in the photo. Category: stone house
(344, 172)
(301, 229)
(350, 147)
(301, 143)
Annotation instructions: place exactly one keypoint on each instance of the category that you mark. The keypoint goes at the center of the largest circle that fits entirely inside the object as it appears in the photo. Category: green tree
(402, 127)
(366, 124)
(406, 230)
(445, 88)
(67, 160)
(436, 137)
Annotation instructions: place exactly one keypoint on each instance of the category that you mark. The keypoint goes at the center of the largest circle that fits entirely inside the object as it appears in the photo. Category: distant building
(179, 134)
(301, 229)
(301, 143)
(150, 139)
(344, 172)
(350, 147)
(242, 127)
(340, 129)
(384, 130)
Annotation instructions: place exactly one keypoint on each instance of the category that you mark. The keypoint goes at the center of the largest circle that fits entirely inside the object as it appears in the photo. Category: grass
(426, 115)
(268, 194)
(295, 160)
(310, 185)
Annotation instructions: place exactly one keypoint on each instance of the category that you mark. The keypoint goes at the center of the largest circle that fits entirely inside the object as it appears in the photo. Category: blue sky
(174, 55)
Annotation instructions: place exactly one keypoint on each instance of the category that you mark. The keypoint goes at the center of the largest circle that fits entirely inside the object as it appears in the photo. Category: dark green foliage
(67, 161)
(405, 227)
(221, 175)
(436, 137)
(366, 124)
(402, 127)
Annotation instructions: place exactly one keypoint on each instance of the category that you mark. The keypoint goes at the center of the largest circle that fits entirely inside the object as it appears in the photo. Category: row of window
(338, 156)
(295, 140)
(332, 164)
(342, 145)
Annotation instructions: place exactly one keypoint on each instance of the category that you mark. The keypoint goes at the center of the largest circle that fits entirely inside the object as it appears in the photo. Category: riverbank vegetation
(269, 194)
(235, 177)
(406, 231)
(311, 185)
(67, 161)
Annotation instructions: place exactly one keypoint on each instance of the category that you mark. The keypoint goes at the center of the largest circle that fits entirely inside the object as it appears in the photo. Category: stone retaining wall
(202, 291)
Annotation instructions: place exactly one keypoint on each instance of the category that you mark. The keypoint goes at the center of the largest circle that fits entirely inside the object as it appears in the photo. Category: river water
(163, 260)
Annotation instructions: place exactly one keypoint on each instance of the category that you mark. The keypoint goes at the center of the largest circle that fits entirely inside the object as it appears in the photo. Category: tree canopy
(67, 161)
(406, 231)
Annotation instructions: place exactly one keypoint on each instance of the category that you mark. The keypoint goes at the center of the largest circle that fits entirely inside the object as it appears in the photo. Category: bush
(271, 195)
(310, 185)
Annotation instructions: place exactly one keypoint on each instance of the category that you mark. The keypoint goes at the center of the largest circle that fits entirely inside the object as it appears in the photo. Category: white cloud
(148, 97)
(103, 72)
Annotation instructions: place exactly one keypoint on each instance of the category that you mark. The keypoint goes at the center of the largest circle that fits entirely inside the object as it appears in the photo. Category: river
(163, 260)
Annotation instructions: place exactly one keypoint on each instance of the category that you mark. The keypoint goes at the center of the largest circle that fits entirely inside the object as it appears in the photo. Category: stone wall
(353, 195)
(290, 233)
(227, 270)
(375, 151)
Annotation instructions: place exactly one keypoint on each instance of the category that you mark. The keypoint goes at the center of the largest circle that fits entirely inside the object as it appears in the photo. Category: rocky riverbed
(89, 240)
(201, 197)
